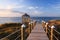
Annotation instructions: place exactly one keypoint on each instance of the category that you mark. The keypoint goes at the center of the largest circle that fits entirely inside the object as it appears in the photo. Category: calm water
(46, 18)
(18, 19)
(10, 20)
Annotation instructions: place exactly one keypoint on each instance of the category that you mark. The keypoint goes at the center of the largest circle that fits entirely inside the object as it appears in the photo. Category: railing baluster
(46, 27)
(52, 32)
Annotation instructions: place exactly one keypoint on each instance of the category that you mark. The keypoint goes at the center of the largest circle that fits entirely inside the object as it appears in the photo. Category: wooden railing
(52, 33)
(20, 32)
(7, 37)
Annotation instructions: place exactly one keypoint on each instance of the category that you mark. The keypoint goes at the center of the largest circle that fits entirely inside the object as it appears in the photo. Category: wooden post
(29, 27)
(32, 25)
(43, 24)
(52, 32)
(46, 27)
(22, 33)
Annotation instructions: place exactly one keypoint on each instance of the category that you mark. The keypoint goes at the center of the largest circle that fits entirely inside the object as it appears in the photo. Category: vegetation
(56, 23)
(8, 28)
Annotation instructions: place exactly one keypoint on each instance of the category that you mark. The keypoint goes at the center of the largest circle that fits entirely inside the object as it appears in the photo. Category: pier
(38, 33)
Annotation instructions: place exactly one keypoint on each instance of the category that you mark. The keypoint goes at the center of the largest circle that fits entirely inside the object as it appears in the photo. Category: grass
(8, 28)
(56, 23)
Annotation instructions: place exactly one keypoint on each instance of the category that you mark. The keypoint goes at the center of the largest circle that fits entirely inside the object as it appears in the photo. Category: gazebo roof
(26, 15)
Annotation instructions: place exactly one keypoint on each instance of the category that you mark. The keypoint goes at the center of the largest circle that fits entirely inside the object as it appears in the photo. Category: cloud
(8, 4)
(31, 7)
(9, 13)
(36, 13)
(56, 6)
(20, 6)
(6, 7)
(11, 6)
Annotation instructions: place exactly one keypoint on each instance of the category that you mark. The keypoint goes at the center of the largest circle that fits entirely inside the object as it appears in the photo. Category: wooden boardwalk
(38, 33)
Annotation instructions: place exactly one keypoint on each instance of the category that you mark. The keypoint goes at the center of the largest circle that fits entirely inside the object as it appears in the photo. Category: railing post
(22, 33)
(29, 27)
(46, 27)
(32, 25)
(52, 27)
(43, 23)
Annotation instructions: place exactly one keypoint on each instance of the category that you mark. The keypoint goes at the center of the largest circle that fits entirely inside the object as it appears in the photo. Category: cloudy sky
(32, 7)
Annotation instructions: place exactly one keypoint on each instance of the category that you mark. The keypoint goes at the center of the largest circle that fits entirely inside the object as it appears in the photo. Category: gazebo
(25, 18)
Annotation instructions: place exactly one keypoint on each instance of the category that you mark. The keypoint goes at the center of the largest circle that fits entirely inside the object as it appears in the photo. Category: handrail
(10, 34)
(56, 31)
(17, 37)
(55, 37)
(52, 30)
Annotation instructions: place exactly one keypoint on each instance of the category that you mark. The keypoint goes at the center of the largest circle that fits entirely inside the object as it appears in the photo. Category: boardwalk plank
(38, 33)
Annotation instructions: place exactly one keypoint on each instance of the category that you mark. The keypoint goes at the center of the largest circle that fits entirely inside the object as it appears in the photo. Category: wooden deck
(38, 33)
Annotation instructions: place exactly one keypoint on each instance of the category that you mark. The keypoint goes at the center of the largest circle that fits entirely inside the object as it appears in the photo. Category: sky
(46, 8)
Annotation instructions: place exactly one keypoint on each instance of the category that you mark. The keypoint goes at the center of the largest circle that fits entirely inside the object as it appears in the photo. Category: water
(45, 18)
(19, 20)
(10, 20)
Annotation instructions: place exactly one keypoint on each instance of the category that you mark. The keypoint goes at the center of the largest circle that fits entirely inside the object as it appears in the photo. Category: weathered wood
(38, 33)
(21, 33)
